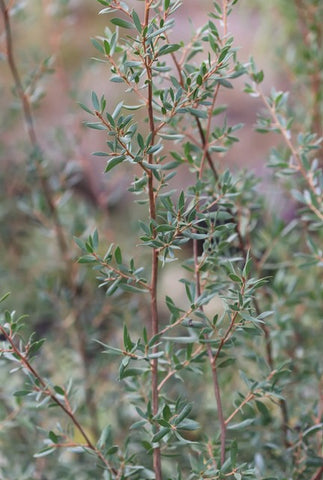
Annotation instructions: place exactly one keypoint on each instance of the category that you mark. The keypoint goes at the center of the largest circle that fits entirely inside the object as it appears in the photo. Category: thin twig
(296, 155)
(216, 386)
(171, 373)
(120, 273)
(225, 17)
(318, 475)
(249, 397)
(243, 249)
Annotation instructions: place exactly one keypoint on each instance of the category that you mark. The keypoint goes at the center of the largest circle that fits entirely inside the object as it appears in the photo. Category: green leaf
(227, 362)
(80, 243)
(197, 113)
(53, 437)
(136, 20)
(97, 45)
(170, 48)
(117, 110)
(154, 339)
(35, 346)
(184, 340)
(133, 107)
(100, 154)
(59, 390)
(247, 267)
(95, 239)
(116, 79)
(44, 452)
(114, 286)
(224, 53)
(112, 450)
(131, 372)
(87, 259)
(183, 414)
(159, 435)
(233, 453)
(167, 412)
(126, 339)
(241, 425)
(95, 101)
(114, 162)
(188, 425)
(163, 423)
(219, 109)
(118, 256)
(313, 429)
(262, 409)
(154, 149)
(21, 393)
(119, 22)
(314, 461)
(109, 349)
(218, 148)
(126, 287)
(6, 295)
(234, 277)
(96, 125)
(86, 108)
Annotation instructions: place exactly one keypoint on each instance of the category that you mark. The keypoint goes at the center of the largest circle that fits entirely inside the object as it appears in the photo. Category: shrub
(210, 369)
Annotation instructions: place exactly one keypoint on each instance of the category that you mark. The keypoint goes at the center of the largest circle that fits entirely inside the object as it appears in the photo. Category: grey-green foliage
(223, 382)
(298, 26)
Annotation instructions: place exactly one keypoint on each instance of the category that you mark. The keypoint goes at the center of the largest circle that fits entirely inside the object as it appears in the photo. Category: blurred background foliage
(53, 52)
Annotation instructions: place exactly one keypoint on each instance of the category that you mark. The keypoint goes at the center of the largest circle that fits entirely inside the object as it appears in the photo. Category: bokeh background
(54, 54)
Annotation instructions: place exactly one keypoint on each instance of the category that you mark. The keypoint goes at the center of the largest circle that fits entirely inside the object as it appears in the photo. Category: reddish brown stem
(212, 360)
(207, 153)
(270, 361)
(318, 475)
(243, 250)
(216, 387)
(154, 266)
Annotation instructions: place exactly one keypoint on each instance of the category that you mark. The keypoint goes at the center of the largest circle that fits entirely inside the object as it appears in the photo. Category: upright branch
(212, 360)
(225, 17)
(205, 135)
(152, 213)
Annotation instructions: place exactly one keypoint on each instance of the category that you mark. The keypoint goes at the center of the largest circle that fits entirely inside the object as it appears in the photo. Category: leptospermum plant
(179, 96)
(205, 379)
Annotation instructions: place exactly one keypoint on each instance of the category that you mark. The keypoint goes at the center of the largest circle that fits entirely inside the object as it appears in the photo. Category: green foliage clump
(199, 354)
